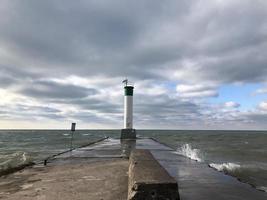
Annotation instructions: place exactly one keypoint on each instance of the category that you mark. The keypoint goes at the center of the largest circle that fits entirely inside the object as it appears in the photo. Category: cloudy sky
(195, 64)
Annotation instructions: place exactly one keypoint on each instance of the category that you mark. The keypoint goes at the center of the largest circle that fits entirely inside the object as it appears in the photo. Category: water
(242, 154)
(21, 147)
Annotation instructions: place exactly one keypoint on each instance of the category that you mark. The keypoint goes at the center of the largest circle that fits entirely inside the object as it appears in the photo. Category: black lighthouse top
(128, 90)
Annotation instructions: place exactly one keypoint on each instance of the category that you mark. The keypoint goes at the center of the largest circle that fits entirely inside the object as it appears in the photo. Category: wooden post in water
(73, 126)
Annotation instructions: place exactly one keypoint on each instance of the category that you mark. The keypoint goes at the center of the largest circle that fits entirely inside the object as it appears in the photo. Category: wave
(262, 188)
(242, 173)
(13, 162)
(225, 167)
(187, 151)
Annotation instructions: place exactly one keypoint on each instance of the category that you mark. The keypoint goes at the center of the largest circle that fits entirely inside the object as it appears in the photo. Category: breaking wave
(242, 173)
(11, 162)
(262, 188)
(187, 151)
(228, 168)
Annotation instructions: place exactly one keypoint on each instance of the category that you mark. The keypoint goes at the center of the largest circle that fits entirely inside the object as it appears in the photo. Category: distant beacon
(128, 132)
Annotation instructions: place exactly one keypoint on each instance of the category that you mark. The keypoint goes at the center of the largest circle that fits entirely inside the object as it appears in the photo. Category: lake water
(242, 154)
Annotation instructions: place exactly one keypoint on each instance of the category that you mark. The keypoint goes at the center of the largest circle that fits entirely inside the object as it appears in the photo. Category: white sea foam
(225, 167)
(24, 157)
(188, 151)
(262, 188)
(14, 160)
(108, 142)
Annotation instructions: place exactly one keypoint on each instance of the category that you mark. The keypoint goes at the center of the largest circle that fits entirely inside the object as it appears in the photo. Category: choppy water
(242, 154)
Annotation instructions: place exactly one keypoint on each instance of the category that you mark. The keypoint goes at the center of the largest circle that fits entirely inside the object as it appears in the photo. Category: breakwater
(91, 171)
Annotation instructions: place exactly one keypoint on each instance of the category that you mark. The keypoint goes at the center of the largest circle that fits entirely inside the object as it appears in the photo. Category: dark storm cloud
(135, 39)
(85, 33)
(53, 90)
(231, 43)
(67, 31)
(243, 66)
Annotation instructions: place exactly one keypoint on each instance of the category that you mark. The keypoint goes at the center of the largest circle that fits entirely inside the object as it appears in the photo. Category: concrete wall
(148, 179)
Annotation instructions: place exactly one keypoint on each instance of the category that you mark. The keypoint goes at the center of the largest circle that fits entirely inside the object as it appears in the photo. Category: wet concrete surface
(64, 177)
(197, 181)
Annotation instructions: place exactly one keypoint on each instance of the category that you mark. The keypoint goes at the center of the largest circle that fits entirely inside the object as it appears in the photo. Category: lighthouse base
(128, 133)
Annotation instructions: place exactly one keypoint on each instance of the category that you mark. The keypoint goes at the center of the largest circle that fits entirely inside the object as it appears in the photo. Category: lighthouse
(128, 132)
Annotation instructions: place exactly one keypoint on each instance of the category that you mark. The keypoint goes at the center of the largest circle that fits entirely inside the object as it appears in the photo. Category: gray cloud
(201, 44)
(80, 37)
(5, 81)
(37, 109)
(22, 111)
(165, 111)
(196, 91)
(53, 90)
(97, 105)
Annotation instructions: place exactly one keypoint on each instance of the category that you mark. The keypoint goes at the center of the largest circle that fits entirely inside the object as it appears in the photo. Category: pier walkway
(100, 171)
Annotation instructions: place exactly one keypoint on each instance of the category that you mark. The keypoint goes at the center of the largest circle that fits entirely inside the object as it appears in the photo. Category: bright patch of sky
(243, 94)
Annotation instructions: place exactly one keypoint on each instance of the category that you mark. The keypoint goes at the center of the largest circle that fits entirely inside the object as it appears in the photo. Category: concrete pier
(148, 179)
(100, 171)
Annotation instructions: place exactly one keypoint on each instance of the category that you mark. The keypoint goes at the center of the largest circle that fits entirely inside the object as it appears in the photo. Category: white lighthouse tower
(128, 132)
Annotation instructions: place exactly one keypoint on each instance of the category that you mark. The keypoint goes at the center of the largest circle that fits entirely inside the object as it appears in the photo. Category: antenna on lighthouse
(128, 132)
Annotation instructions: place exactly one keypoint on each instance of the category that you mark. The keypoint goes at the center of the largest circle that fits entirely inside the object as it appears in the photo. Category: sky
(195, 64)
